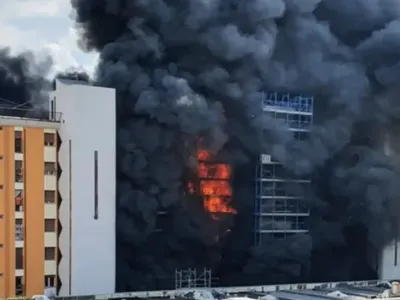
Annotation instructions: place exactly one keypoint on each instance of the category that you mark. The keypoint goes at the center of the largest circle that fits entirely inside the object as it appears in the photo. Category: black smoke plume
(185, 69)
(23, 82)
(74, 74)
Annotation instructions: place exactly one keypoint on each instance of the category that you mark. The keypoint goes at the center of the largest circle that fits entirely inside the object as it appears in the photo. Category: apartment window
(49, 225)
(49, 253)
(49, 197)
(1, 128)
(18, 141)
(19, 200)
(18, 171)
(1, 216)
(1, 157)
(19, 285)
(49, 139)
(1, 246)
(19, 260)
(1, 275)
(49, 280)
(1, 186)
(19, 230)
(49, 168)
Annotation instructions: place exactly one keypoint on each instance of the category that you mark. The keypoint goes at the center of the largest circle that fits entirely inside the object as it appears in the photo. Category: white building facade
(87, 187)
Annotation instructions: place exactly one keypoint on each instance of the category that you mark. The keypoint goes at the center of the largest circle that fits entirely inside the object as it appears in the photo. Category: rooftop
(33, 117)
(349, 290)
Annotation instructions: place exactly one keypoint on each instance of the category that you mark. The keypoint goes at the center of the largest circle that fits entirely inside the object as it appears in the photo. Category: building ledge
(29, 118)
(28, 122)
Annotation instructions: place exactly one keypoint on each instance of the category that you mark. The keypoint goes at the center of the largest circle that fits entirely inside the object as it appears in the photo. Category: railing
(31, 114)
(288, 101)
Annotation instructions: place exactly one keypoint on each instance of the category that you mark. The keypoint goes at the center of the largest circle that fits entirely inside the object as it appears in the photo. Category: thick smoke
(74, 74)
(23, 82)
(185, 69)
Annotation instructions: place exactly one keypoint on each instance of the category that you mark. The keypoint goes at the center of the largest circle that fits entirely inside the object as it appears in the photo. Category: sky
(43, 26)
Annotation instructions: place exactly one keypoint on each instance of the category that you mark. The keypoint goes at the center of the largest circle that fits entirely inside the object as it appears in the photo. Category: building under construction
(279, 200)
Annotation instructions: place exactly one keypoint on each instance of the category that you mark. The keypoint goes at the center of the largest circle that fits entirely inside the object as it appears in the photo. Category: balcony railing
(31, 114)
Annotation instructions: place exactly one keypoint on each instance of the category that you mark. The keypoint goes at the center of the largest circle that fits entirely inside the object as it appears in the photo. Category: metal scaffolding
(279, 195)
(191, 278)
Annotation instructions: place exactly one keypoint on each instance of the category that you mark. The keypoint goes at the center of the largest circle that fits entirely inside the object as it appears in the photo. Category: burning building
(185, 69)
(214, 184)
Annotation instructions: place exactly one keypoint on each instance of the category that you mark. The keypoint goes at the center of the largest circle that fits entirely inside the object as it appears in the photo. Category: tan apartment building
(28, 207)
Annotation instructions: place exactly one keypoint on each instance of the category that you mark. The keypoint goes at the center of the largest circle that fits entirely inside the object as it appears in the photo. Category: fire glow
(214, 185)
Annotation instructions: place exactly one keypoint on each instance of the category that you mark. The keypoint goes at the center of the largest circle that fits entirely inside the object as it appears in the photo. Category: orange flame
(214, 185)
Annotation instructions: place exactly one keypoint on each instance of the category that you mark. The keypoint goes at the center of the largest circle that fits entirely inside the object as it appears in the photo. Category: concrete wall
(87, 240)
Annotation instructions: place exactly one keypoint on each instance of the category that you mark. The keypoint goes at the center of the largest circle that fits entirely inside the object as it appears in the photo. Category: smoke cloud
(74, 74)
(23, 81)
(193, 68)
(197, 68)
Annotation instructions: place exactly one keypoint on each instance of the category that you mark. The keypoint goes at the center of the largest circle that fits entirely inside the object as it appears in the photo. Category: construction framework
(191, 278)
(279, 199)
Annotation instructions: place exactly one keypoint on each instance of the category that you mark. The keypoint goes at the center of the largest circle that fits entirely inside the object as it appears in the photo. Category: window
(49, 225)
(1, 275)
(49, 197)
(1, 157)
(1, 186)
(19, 261)
(1, 216)
(18, 285)
(1, 128)
(49, 168)
(49, 280)
(49, 139)
(18, 200)
(18, 171)
(19, 230)
(49, 253)
(1, 246)
(18, 141)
